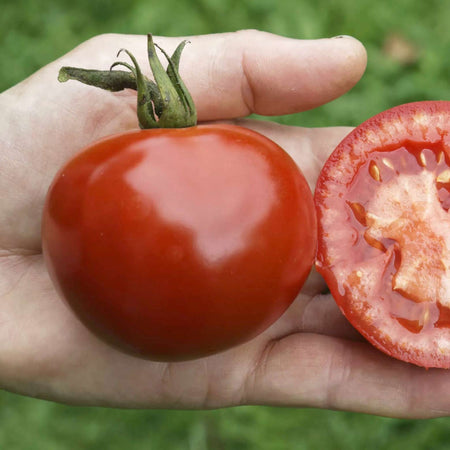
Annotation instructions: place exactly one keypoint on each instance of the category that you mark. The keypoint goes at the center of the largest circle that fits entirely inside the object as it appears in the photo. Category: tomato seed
(422, 159)
(388, 163)
(444, 177)
(374, 171)
(359, 212)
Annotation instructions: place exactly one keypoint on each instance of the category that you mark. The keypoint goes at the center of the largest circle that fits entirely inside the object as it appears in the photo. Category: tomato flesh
(176, 244)
(384, 231)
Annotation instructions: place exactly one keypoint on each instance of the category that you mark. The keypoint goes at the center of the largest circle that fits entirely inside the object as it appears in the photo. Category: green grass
(39, 425)
(34, 32)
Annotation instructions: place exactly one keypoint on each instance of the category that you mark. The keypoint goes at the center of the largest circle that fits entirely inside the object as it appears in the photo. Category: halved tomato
(382, 201)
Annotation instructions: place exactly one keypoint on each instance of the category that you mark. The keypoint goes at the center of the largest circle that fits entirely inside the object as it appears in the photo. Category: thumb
(255, 72)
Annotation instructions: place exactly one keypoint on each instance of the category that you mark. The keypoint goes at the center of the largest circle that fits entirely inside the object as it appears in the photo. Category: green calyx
(162, 103)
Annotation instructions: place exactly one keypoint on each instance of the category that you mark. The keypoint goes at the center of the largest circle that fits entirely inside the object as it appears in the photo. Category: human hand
(311, 357)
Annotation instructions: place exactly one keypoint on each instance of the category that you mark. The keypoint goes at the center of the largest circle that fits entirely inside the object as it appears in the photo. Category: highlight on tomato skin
(382, 203)
(174, 244)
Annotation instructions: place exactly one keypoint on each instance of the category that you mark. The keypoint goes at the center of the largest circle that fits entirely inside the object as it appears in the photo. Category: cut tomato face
(383, 201)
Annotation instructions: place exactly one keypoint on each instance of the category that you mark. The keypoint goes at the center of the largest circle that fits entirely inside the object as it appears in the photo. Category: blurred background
(408, 44)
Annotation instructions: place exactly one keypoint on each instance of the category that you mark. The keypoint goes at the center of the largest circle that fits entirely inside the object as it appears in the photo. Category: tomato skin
(364, 264)
(178, 243)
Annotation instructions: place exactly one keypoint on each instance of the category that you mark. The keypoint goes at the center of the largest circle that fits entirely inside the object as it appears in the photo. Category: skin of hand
(311, 357)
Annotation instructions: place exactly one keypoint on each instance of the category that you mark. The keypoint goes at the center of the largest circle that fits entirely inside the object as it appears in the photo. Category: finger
(318, 314)
(313, 311)
(307, 370)
(233, 74)
(258, 72)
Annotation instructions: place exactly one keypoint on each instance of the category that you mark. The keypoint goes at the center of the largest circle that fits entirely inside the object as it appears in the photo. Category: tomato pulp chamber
(401, 210)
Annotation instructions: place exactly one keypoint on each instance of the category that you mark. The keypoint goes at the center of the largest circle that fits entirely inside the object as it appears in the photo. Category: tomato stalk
(162, 103)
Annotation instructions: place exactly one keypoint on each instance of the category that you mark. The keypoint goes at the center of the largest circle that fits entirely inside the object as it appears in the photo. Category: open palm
(310, 357)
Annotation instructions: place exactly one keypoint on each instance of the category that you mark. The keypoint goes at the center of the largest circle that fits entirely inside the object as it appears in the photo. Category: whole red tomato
(179, 243)
(383, 201)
